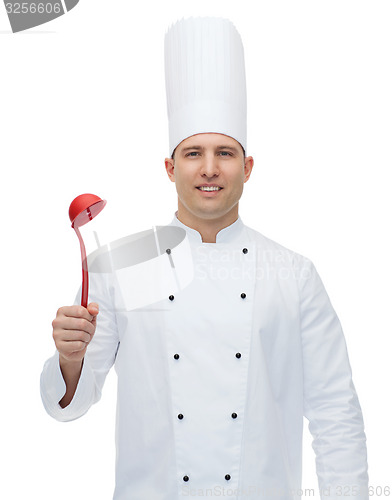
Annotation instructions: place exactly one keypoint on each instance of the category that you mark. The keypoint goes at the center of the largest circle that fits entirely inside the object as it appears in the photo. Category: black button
(234, 415)
(171, 297)
(245, 250)
(185, 478)
(176, 356)
(227, 477)
(180, 416)
(238, 355)
(168, 251)
(243, 295)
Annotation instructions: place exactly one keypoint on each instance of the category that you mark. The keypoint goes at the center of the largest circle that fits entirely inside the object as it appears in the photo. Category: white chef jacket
(214, 381)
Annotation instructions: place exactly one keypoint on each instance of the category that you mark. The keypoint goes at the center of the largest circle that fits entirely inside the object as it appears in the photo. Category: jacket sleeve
(330, 401)
(100, 357)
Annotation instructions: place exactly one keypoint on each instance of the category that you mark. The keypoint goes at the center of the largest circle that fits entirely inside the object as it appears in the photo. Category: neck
(208, 228)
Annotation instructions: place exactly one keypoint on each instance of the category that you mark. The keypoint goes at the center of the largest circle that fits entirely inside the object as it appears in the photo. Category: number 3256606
(33, 8)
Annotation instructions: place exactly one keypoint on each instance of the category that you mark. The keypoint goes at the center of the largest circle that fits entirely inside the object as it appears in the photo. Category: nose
(209, 166)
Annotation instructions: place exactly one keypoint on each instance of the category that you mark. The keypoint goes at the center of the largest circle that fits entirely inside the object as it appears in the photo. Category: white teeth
(209, 188)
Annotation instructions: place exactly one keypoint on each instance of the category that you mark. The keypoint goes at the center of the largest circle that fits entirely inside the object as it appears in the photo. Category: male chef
(214, 379)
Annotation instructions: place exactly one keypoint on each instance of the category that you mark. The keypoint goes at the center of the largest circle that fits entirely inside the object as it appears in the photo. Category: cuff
(53, 389)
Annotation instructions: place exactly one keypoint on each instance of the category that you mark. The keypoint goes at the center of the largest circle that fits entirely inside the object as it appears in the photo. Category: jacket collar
(228, 234)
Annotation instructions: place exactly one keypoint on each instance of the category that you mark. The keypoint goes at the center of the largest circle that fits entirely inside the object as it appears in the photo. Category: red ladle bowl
(84, 208)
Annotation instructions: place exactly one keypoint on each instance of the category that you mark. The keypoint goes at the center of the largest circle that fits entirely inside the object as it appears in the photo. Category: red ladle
(83, 209)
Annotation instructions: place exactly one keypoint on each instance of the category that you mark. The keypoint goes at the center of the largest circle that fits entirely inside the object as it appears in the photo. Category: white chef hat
(205, 79)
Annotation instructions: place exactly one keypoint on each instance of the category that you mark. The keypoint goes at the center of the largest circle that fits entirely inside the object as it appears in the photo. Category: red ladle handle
(84, 269)
(83, 209)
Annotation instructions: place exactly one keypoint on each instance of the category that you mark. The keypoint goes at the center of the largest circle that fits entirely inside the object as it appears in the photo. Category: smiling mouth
(209, 188)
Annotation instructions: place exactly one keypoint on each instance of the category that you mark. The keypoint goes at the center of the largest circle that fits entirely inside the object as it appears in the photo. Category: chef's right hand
(73, 330)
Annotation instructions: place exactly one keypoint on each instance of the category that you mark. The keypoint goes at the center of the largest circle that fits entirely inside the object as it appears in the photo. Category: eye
(225, 153)
(192, 153)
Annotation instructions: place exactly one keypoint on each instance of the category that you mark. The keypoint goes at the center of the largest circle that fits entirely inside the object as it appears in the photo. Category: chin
(211, 215)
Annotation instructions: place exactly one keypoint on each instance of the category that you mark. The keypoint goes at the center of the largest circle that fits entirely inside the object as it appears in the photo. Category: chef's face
(203, 162)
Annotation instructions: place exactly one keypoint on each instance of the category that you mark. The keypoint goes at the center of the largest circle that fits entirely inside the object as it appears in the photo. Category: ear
(249, 162)
(169, 165)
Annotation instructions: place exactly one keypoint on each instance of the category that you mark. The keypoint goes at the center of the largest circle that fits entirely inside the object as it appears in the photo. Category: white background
(82, 109)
